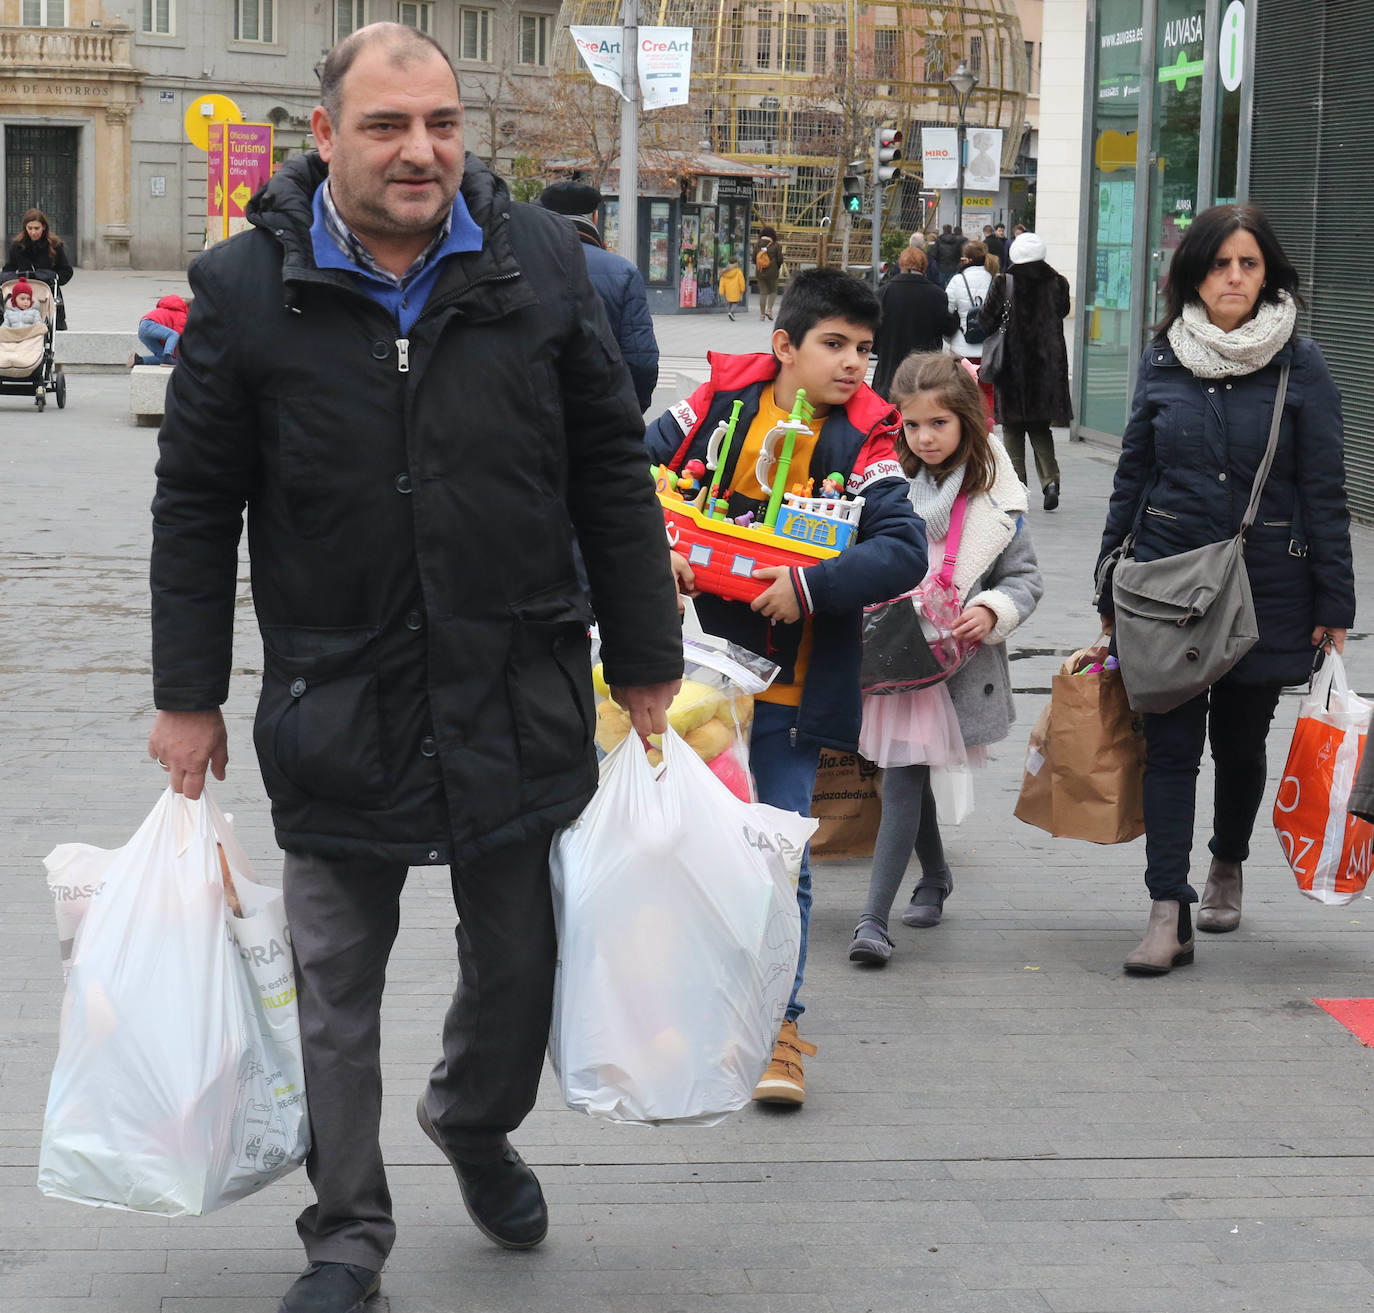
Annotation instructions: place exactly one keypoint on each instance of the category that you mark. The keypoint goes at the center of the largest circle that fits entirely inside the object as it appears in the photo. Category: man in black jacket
(410, 383)
(618, 283)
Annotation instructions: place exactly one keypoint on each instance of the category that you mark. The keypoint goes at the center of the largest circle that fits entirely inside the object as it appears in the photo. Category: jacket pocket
(318, 727)
(549, 681)
(1163, 515)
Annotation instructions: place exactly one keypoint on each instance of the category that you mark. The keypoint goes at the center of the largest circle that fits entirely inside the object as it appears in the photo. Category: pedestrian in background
(390, 323)
(733, 286)
(36, 246)
(617, 282)
(160, 331)
(1032, 390)
(768, 256)
(1198, 430)
(965, 294)
(916, 317)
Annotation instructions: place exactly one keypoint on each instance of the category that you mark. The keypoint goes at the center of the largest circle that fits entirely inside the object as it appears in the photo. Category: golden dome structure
(801, 85)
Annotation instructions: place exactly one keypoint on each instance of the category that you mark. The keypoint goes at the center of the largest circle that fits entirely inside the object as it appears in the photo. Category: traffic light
(887, 150)
(853, 196)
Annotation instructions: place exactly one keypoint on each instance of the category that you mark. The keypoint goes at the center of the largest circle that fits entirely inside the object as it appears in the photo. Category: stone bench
(94, 353)
(148, 392)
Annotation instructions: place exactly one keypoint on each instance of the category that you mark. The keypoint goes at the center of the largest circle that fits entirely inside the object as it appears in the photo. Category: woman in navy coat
(1198, 430)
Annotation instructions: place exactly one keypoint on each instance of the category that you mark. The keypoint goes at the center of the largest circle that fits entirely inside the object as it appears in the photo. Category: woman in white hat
(1032, 393)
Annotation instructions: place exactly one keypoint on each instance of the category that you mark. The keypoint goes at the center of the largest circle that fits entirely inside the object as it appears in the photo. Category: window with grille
(418, 15)
(885, 53)
(474, 35)
(795, 59)
(764, 33)
(1032, 82)
(975, 56)
(818, 50)
(841, 47)
(44, 13)
(253, 20)
(349, 16)
(157, 17)
(534, 39)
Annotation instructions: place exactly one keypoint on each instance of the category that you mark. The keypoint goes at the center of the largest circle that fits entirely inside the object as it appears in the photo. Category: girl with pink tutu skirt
(947, 452)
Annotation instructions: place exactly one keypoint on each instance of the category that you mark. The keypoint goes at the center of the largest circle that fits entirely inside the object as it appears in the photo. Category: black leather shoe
(503, 1197)
(1051, 496)
(331, 1288)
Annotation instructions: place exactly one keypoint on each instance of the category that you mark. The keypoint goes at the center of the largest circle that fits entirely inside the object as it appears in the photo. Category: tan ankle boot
(1220, 907)
(1161, 950)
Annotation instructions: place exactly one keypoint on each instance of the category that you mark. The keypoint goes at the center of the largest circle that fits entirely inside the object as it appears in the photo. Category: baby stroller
(27, 364)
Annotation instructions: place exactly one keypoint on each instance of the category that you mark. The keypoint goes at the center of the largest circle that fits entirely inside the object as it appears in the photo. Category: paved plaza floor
(998, 1122)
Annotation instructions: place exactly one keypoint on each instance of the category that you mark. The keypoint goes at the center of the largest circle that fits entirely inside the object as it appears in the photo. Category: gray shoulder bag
(1183, 621)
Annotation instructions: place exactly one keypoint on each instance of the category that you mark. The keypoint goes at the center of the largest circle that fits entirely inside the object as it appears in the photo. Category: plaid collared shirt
(347, 241)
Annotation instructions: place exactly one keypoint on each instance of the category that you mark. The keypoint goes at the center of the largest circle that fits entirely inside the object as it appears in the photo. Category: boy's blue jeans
(160, 340)
(786, 777)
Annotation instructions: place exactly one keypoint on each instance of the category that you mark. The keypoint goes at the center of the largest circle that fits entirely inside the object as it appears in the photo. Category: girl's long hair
(955, 389)
(49, 236)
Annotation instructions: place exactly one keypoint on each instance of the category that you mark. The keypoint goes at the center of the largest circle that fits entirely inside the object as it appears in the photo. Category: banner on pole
(939, 157)
(247, 166)
(600, 51)
(215, 230)
(665, 66)
(983, 168)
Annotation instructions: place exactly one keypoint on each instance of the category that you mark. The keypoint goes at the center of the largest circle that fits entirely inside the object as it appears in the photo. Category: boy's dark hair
(954, 389)
(1193, 259)
(816, 294)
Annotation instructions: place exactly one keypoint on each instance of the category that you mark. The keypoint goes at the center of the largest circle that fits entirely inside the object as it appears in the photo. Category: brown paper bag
(846, 803)
(1086, 759)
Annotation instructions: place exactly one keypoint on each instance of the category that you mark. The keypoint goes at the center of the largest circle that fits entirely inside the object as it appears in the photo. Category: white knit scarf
(934, 502)
(1206, 351)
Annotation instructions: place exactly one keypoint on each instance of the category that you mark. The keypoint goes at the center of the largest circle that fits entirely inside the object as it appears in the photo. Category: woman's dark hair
(1193, 259)
(955, 389)
(52, 239)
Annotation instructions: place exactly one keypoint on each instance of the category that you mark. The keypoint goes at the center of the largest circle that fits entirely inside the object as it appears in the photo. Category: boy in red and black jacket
(808, 619)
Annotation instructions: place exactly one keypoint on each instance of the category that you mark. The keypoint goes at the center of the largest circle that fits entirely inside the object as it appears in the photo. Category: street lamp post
(963, 80)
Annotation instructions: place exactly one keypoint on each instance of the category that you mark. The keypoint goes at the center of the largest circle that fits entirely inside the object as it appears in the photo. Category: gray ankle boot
(1219, 910)
(1168, 941)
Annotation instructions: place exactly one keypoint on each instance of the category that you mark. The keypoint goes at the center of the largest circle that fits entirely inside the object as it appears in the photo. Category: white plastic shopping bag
(952, 788)
(678, 935)
(1330, 852)
(179, 1085)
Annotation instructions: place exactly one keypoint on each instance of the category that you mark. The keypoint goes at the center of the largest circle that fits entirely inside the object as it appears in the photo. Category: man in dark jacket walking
(618, 283)
(410, 383)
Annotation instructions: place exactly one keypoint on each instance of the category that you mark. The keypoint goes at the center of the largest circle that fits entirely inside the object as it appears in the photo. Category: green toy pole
(724, 454)
(801, 412)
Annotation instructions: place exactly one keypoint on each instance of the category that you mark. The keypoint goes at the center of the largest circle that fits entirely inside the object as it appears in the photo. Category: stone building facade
(94, 96)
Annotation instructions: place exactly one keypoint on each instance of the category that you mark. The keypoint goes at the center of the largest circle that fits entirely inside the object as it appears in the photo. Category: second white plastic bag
(678, 935)
(178, 1086)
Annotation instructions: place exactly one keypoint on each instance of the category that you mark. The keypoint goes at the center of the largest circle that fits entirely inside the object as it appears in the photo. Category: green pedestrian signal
(852, 195)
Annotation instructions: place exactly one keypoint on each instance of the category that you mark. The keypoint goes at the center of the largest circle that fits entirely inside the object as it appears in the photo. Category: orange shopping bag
(1329, 850)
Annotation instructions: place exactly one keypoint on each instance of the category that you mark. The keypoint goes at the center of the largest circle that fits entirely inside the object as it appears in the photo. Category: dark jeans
(785, 774)
(344, 916)
(1235, 718)
(1042, 443)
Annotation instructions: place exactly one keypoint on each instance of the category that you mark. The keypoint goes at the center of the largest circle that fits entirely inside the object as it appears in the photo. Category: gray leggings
(909, 823)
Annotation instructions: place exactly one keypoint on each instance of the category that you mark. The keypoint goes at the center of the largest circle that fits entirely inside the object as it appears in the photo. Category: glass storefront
(1189, 162)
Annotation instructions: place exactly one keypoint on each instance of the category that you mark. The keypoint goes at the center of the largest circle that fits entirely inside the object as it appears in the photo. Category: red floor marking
(1355, 1014)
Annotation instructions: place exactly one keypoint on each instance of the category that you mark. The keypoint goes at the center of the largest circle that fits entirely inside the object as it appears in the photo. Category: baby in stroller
(27, 362)
(21, 311)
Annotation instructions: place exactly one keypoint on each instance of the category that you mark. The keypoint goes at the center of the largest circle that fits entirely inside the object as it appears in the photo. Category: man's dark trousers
(344, 915)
